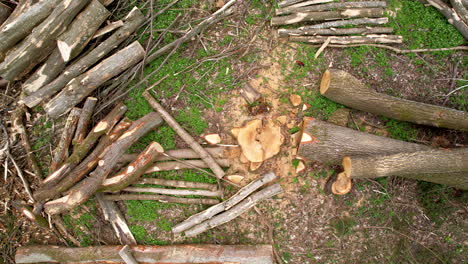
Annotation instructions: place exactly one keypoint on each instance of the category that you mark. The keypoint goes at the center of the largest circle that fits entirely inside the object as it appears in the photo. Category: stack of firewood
(339, 16)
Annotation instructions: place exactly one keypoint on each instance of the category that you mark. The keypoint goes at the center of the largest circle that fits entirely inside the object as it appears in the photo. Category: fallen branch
(397, 50)
(349, 39)
(52, 67)
(330, 6)
(178, 184)
(5, 12)
(334, 31)
(451, 16)
(61, 151)
(215, 152)
(159, 198)
(184, 164)
(27, 211)
(460, 9)
(173, 191)
(85, 119)
(340, 23)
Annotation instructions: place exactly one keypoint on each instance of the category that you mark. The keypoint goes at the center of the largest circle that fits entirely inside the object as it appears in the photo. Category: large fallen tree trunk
(330, 6)
(133, 21)
(451, 16)
(5, 12)
(61, 151)
(327, 15)
(183, 254)
(349, 39)
(83, 85)
(90, 185)
(342, 87)
(327, 143)
(340, 23)
(40, 43)
(334, 31)
(159, 198)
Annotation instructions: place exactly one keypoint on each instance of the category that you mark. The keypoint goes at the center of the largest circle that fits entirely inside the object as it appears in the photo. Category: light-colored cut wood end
(300, 167)
(325, 83)
(235, 178)
(212, 139)
(342, 185)
(295, 99)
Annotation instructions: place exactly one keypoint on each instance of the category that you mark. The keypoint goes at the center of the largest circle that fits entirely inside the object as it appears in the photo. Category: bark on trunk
(327, 15)
(344, 88)
(178, 184)
(50, 69)
(173, 191)
(235, 211)
(446, 166)
(85, 84)
(214, 210)
(349, 39)
(20, 8)
(460, 9)
(185, 164)
(85, 119)
(159, 198)
(335, 31)
(340, 23)
(215, 152)
(133, 21)
(328, 143)
(330, 6)
(182, 254)
(451, 16)
(105, 166)
(5, 12)
(61, 152)
(81, 30)
(39, 44)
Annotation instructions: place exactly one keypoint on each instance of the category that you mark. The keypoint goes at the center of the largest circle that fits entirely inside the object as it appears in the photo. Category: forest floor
(389, 220)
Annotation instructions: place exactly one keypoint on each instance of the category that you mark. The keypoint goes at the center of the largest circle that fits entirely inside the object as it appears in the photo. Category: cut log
(200, 254)
(285, 3)
(80, 32)
(177, 192)
(340, 23)
(133, 21)
(105, 166)
(451, 16)
(446, 166)
(186, 164)
(178, 184)
(159, 198)
(344, 88)
(250, 94)
(86, 83)
(235, 199)
(204, 155)
(236, 210)
(20, 8)
(108, 28)
(349, 39)
(327, 15)
(134, 170)
(330, 6)
(460, 9)
(247, 138)
(85, 119)
(327, 143)
(50, 69)
(5, 12)
(335, 31)
(114, 216)
(215, 152)
(61, 151)
(40, 43)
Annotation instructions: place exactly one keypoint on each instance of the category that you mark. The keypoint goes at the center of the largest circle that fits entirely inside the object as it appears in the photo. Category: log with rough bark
(110, 157)
(327, 15)
(327, 143)
(451, 16)
(200, 254)
(178, 184)
(374, 38)
(232, 201)
(86, 83)
(133, 21)
(20, 8)
(159, 198)
(80, 152)
(85, 119)
(61, 151)
(81, 30)
(460, 9)
(445, 166)
(330, 6)
(113, 215)
(236, 210)
(178, 192)
(335, 31)
(343, 88)
(40, 43)
(5, 12)
(215, 152)
(52, 67)
(204, 155)
(185, 164)
(134, 170)
(355, 22)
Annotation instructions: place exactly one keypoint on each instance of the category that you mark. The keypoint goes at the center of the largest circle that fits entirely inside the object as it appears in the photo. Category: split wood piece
(40, 43)
(173, 191)
(232, 201)
(80, 152)
(50, 69)
(451, 16)
(61, 152)
(342, 185)
(340, 23)
(108, 28)
(330, 6)
(113, 215)
(5, 12)
(111, 154)
(18, 125)
(81, 30)
(85, 119)
(236, 210)
(295, 99)
(134, 170)
(22, 22)
(126, 254)
(343, 88)
(215, 152)
(27, 211)
(250, 94)
(335, 31)
(327, 15)
(212, 139)
(86, 166)
(196, 253)
(178, 184)
(235, 178)
(159, 198)
(204, 155)
(300, 166)
(133, 21)
(86, 83)
(460, 9)
(185, 164)
(328, 143)
(349, 39)
(421, 165)
(255, 166)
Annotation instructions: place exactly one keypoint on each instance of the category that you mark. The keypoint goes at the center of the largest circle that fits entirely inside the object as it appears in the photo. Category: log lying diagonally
(5, 12)
(343, 88)
(85, 119)
(61, 151)
(452, 17)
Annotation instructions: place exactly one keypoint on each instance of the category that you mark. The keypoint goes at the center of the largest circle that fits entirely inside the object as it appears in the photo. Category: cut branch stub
(342, 185)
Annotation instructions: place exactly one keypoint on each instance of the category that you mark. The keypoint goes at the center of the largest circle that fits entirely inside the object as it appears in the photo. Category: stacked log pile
(366, 16)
